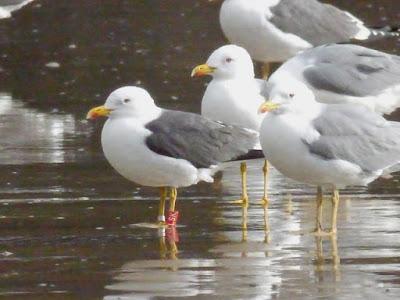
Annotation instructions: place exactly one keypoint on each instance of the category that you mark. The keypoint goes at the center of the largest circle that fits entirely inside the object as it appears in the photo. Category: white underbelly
(286, 151)
(126, 151)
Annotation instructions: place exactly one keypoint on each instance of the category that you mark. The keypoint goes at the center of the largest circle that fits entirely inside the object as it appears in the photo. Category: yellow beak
(267, 106)
(99, 111)
(202, 70)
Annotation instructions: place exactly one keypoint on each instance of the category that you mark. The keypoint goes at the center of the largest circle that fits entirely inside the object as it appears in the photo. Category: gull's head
(125, 101)
(227, 62)
(291, 95)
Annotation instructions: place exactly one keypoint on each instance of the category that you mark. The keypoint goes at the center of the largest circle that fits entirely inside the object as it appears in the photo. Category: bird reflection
(169, 238)
(267, 237)
(320, 260)
(245, 247)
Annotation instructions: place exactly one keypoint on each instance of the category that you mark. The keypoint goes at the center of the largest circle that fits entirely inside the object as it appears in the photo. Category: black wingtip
(252, 154)
(393, 30)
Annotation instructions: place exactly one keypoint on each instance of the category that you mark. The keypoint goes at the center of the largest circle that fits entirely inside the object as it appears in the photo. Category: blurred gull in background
(334, 145)
(7, 7)
(340, 73)
(275, 30)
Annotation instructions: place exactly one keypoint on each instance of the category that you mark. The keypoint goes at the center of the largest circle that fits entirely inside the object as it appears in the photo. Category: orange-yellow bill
(99, 111)
(202, 70)
(267, 106)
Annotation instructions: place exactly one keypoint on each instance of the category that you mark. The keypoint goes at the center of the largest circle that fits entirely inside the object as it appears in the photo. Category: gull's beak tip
(96, 112)
(267, 107)
(91, 116)
(202, 70)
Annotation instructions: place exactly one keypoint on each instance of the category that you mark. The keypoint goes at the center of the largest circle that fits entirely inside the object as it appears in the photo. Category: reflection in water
(287, 263)
(321, 261)
(29, 136)
(173, 277)
(169, 238)
(65, 215)
(249, 268)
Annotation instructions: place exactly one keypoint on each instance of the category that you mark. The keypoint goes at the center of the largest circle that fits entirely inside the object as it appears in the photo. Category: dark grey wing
(315, 22)
(355, 134)
(350, 70)
(199, 140)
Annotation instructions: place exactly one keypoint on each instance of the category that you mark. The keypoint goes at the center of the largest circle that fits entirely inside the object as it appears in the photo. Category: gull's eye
(228, 59)
(291, 95)
(126, 100)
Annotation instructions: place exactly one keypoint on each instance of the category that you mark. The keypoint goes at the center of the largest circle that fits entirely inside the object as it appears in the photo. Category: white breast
(123, 142)
(233, 102)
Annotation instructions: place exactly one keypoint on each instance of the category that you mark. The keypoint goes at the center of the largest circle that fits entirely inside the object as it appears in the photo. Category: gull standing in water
(233, 86)
(165, 148)
(333, 145)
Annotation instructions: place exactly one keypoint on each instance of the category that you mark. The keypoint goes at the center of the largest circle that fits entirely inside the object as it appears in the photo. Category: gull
(275, 30)
(233, 85)
(165, 148)
(329, 145)
(340, 73)
(9, 6)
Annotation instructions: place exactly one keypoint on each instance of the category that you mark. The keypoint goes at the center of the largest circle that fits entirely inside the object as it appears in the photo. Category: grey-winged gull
(165, 148)
(275, 30)
(233, 97)
(340, 73)
(333, 145)
(9, 6)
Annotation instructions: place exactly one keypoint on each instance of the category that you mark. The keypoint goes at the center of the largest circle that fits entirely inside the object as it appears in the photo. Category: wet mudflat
(67, 219)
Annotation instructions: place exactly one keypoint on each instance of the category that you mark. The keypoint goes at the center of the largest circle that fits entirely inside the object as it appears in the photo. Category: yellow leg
(245, 198)
(318, 223)
(318, 231)
(265, 200)
(161, 208)
(335, 206)
(265, 70)
(172, 199)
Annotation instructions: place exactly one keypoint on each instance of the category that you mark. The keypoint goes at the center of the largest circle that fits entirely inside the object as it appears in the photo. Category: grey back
(315, 22)
(355, 134)
(199, 140)
(350, 70)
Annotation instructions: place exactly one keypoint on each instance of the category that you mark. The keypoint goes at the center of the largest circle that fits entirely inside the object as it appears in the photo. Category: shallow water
(67, 219)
